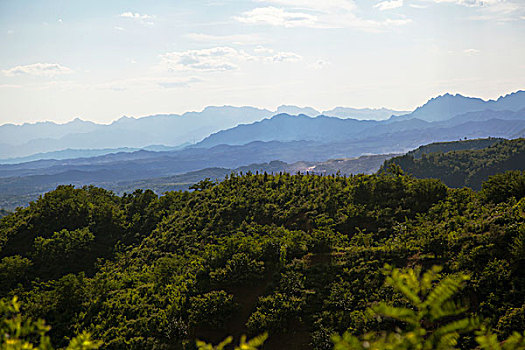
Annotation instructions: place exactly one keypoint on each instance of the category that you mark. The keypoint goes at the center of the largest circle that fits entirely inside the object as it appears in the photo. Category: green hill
(297, 256)
(463, 163)
(462, 145)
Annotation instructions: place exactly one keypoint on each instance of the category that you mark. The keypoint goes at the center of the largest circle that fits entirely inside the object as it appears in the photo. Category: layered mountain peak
(295, 110)
(447, 106)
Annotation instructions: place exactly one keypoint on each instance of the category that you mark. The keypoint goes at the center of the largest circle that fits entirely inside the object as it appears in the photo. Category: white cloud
(136, 15)
(277, 17)
(219, 59)
(142, 18)
(214, 59)
(471, 3)
(315, 14)
(389, 5)
(418, 6)
(10, 31)
(284, 57)
(315, 5)
(39, 69)
(119, 28)
(238, 39)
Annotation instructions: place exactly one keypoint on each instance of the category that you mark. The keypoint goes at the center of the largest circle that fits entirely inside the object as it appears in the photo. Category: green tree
(22, 333)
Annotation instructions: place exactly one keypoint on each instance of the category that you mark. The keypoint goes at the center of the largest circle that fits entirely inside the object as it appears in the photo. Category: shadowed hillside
(460, 164)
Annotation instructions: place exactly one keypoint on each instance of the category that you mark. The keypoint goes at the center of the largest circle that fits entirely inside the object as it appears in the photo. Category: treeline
(297, 256)
(463, 168)
(461, 145)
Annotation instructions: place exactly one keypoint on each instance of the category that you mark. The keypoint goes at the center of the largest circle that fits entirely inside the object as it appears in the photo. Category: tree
(433, 319)
(18, 332)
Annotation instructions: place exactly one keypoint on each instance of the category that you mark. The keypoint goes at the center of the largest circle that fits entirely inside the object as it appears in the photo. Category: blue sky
(99, 60)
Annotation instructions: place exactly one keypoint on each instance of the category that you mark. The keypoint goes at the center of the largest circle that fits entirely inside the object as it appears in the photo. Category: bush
(212, 309)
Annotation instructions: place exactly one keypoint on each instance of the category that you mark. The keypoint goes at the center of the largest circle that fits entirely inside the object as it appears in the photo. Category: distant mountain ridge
(241, 125)
(283, 128)
(163, 129)
(169, 130)
(448, 106)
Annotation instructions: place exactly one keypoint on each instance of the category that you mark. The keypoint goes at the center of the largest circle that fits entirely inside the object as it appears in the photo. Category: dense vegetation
(299, 257)
(463, 167)
(462, 145)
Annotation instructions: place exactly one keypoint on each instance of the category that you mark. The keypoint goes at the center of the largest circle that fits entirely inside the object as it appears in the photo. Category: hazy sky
(99, 60)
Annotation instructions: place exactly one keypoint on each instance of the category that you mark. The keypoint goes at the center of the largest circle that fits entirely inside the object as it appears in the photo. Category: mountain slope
(170, 130)
(448, 106)
(465, 167)
(284, 127)
(325, 129)
(18, 191)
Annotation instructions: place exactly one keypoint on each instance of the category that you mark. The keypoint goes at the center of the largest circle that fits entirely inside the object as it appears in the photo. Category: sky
(100, 60)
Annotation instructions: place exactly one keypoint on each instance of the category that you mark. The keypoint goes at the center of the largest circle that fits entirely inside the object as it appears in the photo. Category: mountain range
(229, 145)
(240, 125)
(21, 141)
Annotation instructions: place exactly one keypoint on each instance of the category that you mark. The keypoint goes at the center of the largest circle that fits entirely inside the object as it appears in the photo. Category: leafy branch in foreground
(426, 327)
(18, 332)
(432, 304)
(252, 344)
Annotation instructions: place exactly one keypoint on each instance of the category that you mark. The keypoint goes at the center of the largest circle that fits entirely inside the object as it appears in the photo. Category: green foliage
(275, 313)
(430, 304)
(211, 310)
(18, 332)
(299, 257)
(467, 163)
(489, 341)
(501, 187)
(239, 269)
(63, 245)
(432, 320)
(14, 268)
(252, 344)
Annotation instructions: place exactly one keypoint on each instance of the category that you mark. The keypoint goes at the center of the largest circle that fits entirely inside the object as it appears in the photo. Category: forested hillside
(297, 256)
(462, 145)
(463, 163)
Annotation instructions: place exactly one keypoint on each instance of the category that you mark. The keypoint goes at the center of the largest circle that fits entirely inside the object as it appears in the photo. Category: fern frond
(488, 341)
(397, 281)
(448, 309)
(445, 289)
(515, 342)
(448, 341)
(460, 326)
(429, 277)
(205, 346)
(252, 344)
(398, 313)
(346, 342)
